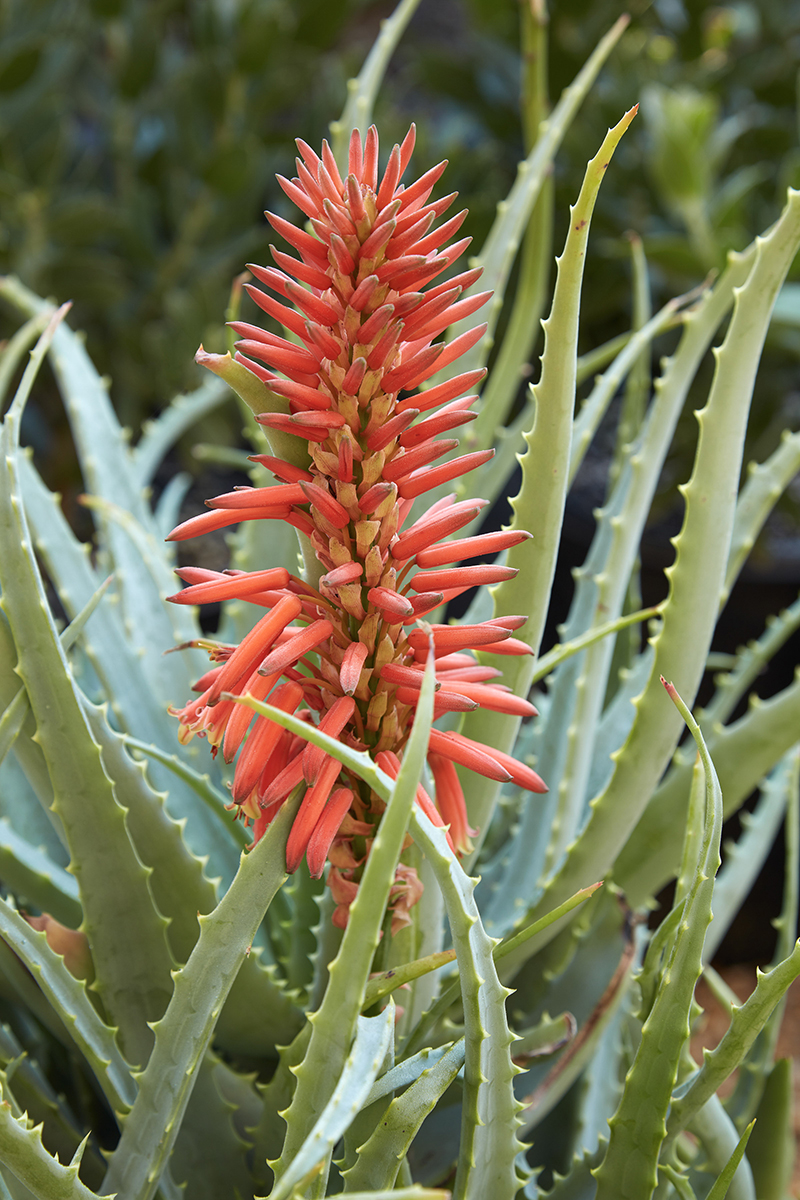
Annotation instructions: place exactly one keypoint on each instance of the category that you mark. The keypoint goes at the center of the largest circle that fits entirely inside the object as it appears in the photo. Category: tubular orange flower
(347, 651)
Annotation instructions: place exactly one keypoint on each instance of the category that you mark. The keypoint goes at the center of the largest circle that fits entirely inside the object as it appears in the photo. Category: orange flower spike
(353, 294)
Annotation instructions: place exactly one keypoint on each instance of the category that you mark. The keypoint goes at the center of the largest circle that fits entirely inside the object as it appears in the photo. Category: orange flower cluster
(347, 653)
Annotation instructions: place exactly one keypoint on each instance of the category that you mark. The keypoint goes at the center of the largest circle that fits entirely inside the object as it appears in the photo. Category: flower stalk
(361, 304)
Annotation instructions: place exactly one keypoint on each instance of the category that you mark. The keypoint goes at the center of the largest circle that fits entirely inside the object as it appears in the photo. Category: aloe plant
(472, 1005)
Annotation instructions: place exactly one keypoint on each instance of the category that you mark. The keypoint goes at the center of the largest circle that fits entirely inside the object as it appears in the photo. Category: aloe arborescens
(350, 649)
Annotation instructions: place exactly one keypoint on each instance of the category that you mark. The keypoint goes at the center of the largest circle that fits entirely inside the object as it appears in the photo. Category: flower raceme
(348, 654)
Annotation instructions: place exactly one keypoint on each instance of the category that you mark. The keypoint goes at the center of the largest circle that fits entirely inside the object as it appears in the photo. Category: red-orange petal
(310, 810)
(422, 481)
(392, 606)
(425, 532)
(330, 508)
(259, 686)
(450, 801)
(352, 665)
(447, 638)
(293, 650)
(442, 392)
(254, 498)
(220, 518)
(332, 723)
(410, 460)
(326, 830)
(469, 754)
(231, 587)
(347, 573)
(251, 650)
(284, 782)
(471, 547)
(455, 577)
(443, 701)
(262, 742)
(491, 697)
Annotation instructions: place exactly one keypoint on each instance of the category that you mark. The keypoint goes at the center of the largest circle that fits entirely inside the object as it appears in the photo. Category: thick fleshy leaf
(538, 510)
(161, 434)
(184, 1033)
(21, 1150)
(379, 1158)
(638, 1127)
(67, 995)
(697, 576)
(363, 90)
(372, 1040)
(125, 930)
(489, 1146)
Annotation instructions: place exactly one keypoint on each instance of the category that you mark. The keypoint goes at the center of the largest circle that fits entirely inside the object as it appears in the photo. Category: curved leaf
(125, 930)
(184, 1033)
(67, 995)
(372, 1040)
(21, 1150)
(333, 1024)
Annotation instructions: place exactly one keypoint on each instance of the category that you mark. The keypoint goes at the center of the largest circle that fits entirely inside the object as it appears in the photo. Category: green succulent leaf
(379, 1158)
(210, 1158)
(771, 1149)
(12, 720)
(489, 1145)
(743, 753)
(719, 1140)
(125, 930)
(765, 483)
(723, 1182)
(184, 1033)
(67, 995)
(638, 1127)
(21, 1150)
(159, 435)
(745, 858)
(697, 576)
(29, 871)
(333, 1024)
(499, 251)
(372, 1040)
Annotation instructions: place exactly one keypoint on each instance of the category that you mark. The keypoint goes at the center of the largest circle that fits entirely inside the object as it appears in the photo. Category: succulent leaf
(67, 995)
(638, 1127)
(184, 1033)
(379, 1158)
(333, 1023)
(21, 1150)
(371, 1042)
(130, 951)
